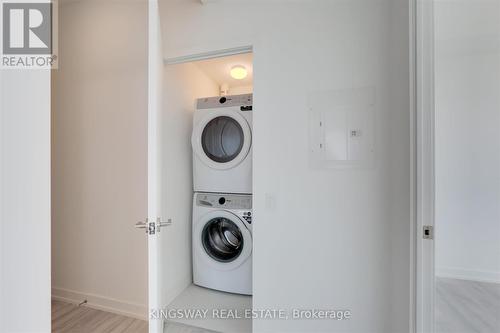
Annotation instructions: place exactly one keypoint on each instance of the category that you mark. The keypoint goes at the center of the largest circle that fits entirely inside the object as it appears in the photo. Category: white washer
(222, 242)
(222, 144)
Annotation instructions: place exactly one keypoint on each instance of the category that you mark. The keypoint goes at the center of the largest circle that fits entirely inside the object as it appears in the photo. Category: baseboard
(465, 274)
(98, 302)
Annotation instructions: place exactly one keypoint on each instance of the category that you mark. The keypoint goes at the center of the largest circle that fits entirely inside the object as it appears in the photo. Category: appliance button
(222, 200)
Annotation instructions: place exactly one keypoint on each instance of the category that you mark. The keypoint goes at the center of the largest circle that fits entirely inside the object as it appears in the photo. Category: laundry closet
(329, 99)
(204, 188)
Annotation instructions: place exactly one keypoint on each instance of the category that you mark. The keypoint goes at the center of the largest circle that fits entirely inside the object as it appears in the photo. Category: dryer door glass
(222, 139)
(222, 239)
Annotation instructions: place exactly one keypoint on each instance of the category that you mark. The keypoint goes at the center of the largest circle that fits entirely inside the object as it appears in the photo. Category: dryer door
(222, 240)
(222, 139)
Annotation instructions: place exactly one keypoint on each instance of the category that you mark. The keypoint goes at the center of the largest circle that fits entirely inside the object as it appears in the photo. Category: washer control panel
(226, 201)
(245, 101)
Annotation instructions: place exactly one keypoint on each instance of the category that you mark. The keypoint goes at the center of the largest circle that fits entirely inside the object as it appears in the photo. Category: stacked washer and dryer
(222, 203)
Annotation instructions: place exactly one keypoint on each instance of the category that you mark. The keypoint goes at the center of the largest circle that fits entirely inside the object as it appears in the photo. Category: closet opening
(205, 188)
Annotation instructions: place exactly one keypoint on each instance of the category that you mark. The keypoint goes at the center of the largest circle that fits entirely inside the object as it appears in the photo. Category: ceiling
(218, 69)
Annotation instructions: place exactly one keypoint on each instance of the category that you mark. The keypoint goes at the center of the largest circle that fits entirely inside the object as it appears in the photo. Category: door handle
(152, 227)
(160, 224)
(140, 225)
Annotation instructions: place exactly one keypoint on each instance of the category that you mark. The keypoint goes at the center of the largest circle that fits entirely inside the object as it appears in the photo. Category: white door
(424, 299)
(458, 165)
(154, 223)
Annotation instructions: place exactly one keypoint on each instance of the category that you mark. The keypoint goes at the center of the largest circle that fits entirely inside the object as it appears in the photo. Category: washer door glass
(222, 239)
(222, 139)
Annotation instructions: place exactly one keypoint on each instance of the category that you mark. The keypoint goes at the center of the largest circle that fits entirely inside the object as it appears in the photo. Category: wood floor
(69, 318)
(461, 307)
(467, 306)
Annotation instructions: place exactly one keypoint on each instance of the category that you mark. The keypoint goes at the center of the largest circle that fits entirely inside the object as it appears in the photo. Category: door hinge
(428, 232)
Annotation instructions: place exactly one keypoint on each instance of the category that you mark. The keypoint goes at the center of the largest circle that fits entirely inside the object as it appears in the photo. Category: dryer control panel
(245, 101)
(226, 201)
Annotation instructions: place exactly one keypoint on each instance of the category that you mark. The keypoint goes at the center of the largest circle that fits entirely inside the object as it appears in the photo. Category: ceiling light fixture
(238, 72)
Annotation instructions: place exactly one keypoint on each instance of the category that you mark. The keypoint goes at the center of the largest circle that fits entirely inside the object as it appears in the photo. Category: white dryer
(222, 144)
(222, 242)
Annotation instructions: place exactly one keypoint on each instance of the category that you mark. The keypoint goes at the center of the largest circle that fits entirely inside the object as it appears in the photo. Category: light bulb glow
(238, 72)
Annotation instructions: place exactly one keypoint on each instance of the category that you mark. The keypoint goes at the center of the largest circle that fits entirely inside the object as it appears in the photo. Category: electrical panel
(342, 128)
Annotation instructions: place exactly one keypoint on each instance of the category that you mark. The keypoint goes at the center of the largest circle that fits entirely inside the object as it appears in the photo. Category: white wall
(100, 155)
(240, 90)
(468, 139)
(182, 85)
(323, 239)
(25, 201)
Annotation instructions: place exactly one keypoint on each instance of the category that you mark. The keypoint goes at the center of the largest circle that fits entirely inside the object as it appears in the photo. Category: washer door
(225, 241)
(222, 139)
